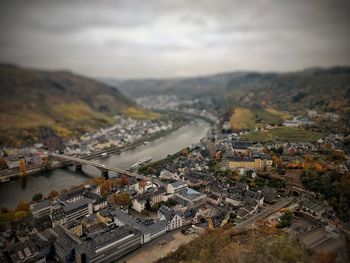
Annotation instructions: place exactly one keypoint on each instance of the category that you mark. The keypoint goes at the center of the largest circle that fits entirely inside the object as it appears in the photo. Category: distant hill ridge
(68, 104)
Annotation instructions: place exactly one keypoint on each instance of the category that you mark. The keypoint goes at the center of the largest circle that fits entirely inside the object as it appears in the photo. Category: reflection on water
(15, 191)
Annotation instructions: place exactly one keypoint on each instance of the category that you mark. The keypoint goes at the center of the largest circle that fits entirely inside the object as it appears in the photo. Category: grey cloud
(164, 38)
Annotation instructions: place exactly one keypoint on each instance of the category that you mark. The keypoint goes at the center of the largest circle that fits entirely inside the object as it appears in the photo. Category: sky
(178, 38)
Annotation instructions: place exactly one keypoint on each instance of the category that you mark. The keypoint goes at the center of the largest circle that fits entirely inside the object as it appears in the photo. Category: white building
(172, 218)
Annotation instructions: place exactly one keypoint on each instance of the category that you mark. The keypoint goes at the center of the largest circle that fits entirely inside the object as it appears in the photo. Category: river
(11, 193)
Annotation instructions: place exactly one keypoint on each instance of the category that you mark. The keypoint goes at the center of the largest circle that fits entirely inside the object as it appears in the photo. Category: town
(126, 134)
(224, 179)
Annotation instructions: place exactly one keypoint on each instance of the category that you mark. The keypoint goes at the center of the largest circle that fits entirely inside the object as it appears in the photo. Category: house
(77, 194)
(37, 248)
(172, 218)
(190, 216)
(240, 187)
(312, 208)
(168, 175)
(157, 196)
(214, 198)
(234, 199)
(253, 197)
(245, 211)
(270, 194)
(99, 202)
(176, 187)
(258, 147)
(139, 204)
(241, 147)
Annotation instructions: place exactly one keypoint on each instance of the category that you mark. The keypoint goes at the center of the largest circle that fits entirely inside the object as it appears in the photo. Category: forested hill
(323, 89)
(33, 101)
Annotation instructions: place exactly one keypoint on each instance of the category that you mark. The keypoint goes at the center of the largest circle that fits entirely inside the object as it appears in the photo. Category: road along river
(12, 192)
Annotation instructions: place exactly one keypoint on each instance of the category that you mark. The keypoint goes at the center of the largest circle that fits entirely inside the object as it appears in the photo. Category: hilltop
(34, 102)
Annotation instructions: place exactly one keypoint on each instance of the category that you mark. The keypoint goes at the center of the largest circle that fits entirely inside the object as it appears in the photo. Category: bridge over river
(104, 168)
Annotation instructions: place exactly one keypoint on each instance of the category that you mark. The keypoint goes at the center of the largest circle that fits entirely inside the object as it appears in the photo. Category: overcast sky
(135, 39)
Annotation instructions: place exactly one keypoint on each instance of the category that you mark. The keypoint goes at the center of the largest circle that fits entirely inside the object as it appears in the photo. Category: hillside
(34, 102)
(221, 245)
(322, 89)
(265, 94)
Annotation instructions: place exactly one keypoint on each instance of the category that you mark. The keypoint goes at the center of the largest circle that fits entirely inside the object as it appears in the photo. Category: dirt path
(158, 248)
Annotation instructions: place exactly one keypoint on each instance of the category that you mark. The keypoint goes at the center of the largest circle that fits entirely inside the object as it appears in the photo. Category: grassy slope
(250, 118)
(66, 103)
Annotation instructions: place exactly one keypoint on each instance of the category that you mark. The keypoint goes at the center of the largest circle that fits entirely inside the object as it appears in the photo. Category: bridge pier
(104, 173)
(78, 167)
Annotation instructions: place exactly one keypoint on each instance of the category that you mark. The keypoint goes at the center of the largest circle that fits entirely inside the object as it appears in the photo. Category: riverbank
(17, 174)
(65, 178)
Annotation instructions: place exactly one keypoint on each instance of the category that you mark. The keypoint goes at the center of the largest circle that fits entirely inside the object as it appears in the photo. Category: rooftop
(73, 206)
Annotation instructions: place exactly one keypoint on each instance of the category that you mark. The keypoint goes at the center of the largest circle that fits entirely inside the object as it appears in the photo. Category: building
(176, 187)
(255, 162)
(245, 211)
(77, 194)
(312, 208)
(43, 208)
(58, 215)
(139, 204)
(78, 209)
(270, 194)
(157, 196)
(240, 162)
(212, 146)
(173, 219)
(107, 246)
(214, 198)
(99, 202)
(234, 199)
(37, 248)
(62, 214)
(241, 147)
(148, 232)
(190, 198)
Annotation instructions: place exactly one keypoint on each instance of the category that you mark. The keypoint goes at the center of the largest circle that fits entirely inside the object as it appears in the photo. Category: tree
(142, 184)
(20, 214)
(324, 257)
(277, 161)
(53, 194)
(3, 164)
(318, 167)
(37, 197)
(286, 219)
(308, 157)
(122, 199)
(23, 167)
(148, 204)
(338, 155)
(124, 179)
(22, 206)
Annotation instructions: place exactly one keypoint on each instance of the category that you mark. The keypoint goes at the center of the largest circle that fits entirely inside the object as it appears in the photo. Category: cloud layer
(161, 38)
